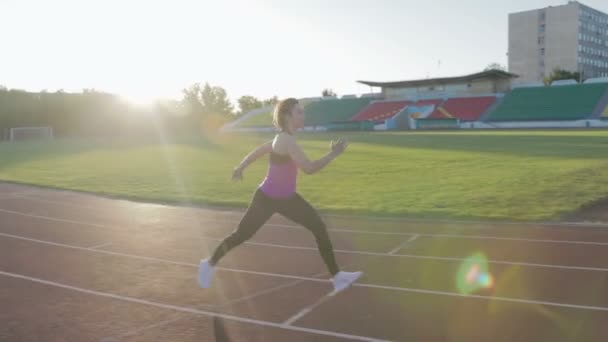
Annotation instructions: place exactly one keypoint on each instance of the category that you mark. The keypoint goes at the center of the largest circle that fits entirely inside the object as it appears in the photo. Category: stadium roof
(492, 74)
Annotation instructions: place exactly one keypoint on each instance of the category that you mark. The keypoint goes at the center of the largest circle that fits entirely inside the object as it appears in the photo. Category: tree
(215, 101)
(271, 101)
(328, 92)
(207, 101)
(495, 66)
(208, 108)
(248, 103)
(192, 101)
(561, 74)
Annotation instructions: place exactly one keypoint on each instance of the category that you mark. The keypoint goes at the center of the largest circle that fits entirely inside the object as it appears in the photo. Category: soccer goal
(30, 133)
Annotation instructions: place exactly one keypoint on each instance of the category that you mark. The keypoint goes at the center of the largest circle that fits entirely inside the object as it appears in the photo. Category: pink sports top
(280, 181)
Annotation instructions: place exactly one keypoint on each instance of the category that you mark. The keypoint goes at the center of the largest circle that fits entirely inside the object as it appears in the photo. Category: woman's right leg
(300, 211)
(259, 211)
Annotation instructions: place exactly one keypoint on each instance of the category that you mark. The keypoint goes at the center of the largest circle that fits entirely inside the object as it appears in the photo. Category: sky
(154, 49)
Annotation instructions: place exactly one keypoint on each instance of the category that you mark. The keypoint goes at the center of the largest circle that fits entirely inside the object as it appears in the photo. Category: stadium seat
(568, 102)
(380, 111)
(324, 112)
(465, 109)
(432, 102)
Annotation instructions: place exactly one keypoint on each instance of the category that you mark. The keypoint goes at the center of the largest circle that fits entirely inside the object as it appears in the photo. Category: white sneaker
(342, 280)
(205, 274)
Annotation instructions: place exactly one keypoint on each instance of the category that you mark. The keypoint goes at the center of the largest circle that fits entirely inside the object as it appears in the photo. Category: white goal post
(30, 133)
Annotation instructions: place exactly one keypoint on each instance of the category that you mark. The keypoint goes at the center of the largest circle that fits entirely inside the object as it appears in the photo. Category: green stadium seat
(323, 112)
(569, 102)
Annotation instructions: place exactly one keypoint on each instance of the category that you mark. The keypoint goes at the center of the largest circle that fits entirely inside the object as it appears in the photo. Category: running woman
(277, 194)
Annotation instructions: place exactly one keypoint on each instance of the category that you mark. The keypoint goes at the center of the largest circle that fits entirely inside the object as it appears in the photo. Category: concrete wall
(523, 46)
(571, 37)
(535, 124)
(561, 38)
(473, 88)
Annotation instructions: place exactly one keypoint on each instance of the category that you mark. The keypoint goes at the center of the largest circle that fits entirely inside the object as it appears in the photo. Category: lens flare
(473, 275)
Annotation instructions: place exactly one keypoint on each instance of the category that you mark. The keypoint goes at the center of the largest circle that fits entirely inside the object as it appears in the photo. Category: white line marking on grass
(278, 275)
(100, 246)
(189, 310)
(355, 231)
(398, 248)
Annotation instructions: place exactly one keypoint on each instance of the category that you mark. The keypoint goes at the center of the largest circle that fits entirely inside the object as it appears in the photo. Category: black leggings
(294, 208)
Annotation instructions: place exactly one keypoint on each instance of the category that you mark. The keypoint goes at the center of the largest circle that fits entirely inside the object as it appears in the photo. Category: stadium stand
(465, 109)
(568, 102)
(324, 112)
(437, 124)
(432, 102)
(380, 111)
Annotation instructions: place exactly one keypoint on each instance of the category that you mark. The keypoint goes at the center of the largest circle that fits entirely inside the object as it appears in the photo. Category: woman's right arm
(265, 148)
(309, 167)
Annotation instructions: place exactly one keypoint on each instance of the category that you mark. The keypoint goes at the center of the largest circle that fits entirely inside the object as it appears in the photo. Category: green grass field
(523, 175)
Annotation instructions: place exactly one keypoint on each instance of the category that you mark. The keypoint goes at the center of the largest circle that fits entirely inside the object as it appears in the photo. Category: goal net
(30, 133)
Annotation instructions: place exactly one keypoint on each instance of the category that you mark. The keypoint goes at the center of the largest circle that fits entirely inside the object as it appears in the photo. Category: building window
(542, 51)
(541, 28)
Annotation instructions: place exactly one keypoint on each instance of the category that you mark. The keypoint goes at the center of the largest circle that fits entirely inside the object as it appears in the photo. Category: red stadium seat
(380, 111)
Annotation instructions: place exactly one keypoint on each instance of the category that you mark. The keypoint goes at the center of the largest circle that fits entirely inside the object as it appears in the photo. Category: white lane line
(140, 330)
(56, 202)
(231, 212)
(100, 245)
(55, 219)
(284, 276)
(398, 248)
(189, 310)
(291, 320)
(396, 255)
(267, 291)
(454, 236)
(539, 224)
(340, 230)
(427, 257)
